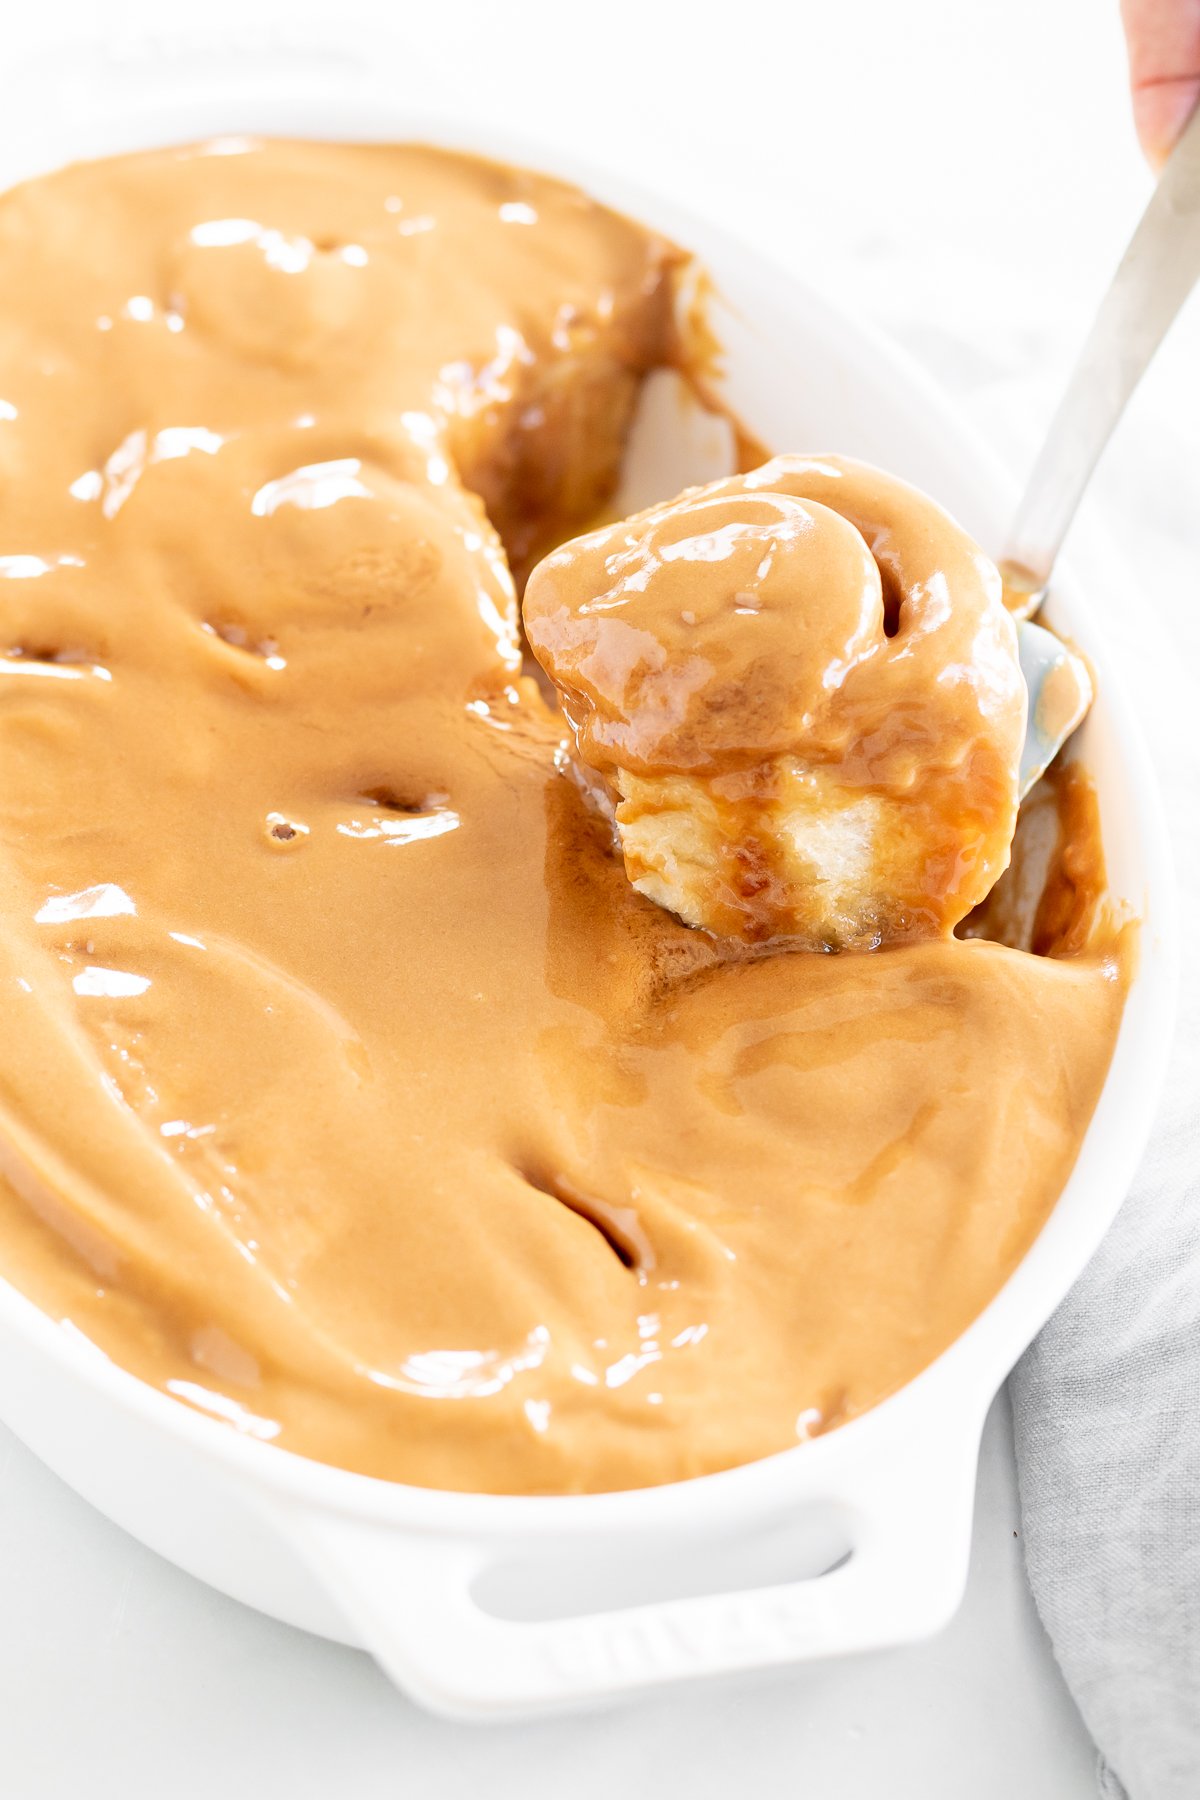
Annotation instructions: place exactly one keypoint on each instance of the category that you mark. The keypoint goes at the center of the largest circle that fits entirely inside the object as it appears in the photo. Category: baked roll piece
(797, 693)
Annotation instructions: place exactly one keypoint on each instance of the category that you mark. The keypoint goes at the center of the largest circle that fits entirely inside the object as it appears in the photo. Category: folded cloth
(1107, 1417)
(1107, 1401)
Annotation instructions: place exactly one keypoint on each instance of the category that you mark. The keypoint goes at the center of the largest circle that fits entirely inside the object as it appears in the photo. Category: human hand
(1163, 38)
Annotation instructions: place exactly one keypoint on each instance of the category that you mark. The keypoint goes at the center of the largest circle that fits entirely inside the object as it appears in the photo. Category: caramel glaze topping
(348, 1091)
(801, 691)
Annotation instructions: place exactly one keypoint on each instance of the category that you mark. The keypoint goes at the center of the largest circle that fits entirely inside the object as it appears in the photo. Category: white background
(965, 171)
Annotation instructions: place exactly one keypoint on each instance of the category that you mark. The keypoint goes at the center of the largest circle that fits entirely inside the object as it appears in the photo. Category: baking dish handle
(410, 1601)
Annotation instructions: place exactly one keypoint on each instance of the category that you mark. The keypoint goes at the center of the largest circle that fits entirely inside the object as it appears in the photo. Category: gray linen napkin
(1107, 1417)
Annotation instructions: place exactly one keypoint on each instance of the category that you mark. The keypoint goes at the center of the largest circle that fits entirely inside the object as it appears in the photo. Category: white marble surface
(967, 174)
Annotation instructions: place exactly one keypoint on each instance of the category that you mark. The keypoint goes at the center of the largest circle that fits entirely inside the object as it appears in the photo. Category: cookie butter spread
(349, 1090)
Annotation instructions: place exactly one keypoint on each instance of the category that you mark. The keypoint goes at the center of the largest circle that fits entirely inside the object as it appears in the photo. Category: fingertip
(1160, 113)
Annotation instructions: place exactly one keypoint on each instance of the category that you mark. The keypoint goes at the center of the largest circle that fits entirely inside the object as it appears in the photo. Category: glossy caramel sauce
(1052, 900)
(348, 1090)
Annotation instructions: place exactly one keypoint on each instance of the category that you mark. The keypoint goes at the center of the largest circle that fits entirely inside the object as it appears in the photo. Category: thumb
(1163, 39)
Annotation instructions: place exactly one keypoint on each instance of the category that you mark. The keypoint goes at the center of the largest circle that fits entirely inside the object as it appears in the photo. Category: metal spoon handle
(1156, 275)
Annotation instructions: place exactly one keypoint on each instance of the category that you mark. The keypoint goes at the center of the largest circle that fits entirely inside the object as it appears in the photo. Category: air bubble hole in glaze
(284, 833)
(44, 653)
(619, 1226)
(411, 806)
(238, 638)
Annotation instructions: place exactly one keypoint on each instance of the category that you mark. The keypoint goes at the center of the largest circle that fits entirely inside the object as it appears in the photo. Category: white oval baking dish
(615, 1592)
